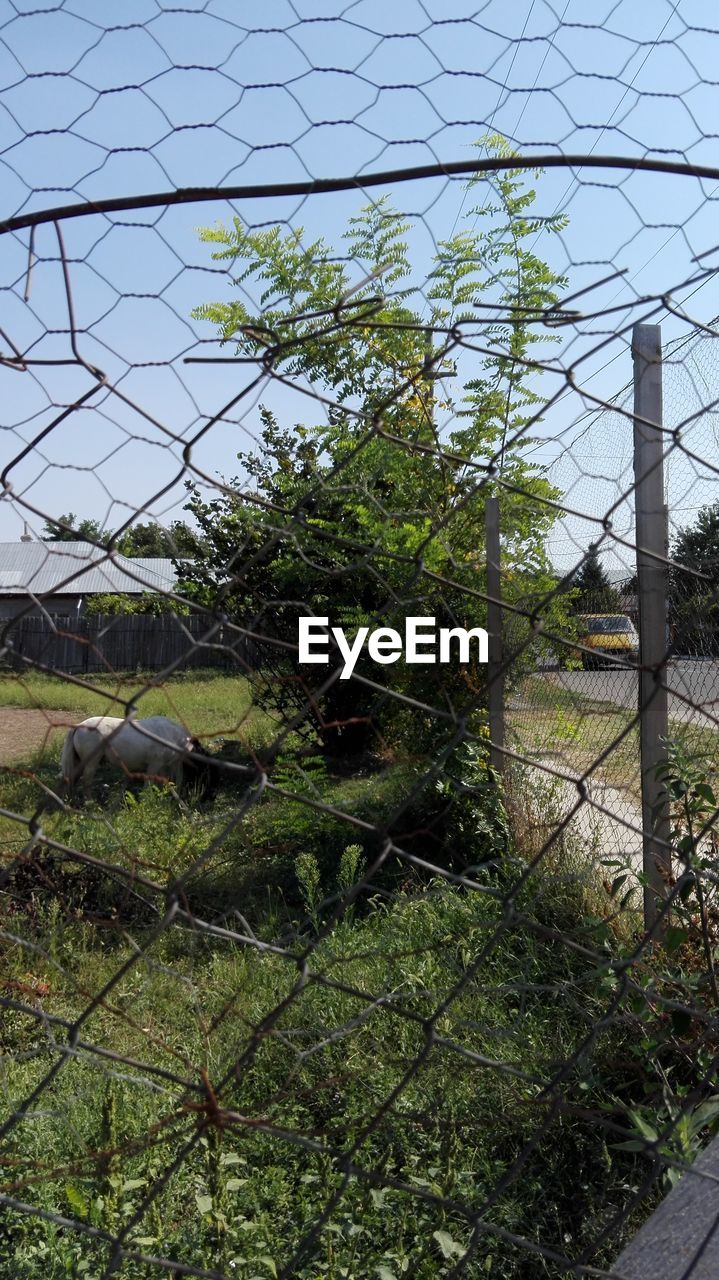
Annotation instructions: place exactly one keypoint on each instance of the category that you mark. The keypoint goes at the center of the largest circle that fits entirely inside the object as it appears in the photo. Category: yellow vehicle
(608, 635)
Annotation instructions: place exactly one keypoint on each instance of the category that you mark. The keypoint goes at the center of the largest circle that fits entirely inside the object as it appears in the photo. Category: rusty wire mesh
(359, 1008)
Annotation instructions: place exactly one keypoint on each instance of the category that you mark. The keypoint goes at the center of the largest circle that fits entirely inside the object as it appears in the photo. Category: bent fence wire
(356, 1005)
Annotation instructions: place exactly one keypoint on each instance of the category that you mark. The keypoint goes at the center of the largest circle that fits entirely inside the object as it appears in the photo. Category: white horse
(156, 749)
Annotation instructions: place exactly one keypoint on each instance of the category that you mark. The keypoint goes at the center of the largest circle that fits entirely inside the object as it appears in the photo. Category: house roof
(78, 569)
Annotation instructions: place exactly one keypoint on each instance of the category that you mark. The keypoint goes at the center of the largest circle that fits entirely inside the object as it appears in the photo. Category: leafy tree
(375, 513)
(154, 541)
(595, 593)
(697, 546)
(693, 602)
(149, 539)
(85, 531)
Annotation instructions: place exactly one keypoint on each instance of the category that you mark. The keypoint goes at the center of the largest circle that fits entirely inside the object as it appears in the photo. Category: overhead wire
(502, 92)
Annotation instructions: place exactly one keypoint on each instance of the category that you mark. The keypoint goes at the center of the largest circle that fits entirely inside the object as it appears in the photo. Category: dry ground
(24, 730)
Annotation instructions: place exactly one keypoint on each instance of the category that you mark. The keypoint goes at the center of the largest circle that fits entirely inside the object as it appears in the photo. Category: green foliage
(350, 868)
(530, 985)
(155, 542)
(476, 824)
(67, 529)
(148, 603)
(518, 981)
(593, 590)
(687, 787)
(312, 888)
(697, 546)
(308, 878)
(148, 539)
(693, 603)
(376, 514)
(244, 1197)
(212, 703)
(285, 830)
(678, 1130)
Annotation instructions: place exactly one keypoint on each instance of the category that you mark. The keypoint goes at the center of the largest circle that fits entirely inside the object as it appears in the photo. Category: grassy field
(210, 704)
(207, 1093)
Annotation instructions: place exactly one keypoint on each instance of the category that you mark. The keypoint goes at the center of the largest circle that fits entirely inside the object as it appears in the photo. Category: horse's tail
(69, 760)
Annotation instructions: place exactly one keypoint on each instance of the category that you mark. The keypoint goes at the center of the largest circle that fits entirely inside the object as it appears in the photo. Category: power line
(547, 52)
(575, 181)
(503, 90)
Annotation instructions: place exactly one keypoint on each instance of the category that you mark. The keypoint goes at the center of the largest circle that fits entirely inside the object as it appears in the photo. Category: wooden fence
(129, 643)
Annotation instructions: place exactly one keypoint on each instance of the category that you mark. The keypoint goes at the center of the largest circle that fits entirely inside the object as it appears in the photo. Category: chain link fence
(579, 715)
(311, 965)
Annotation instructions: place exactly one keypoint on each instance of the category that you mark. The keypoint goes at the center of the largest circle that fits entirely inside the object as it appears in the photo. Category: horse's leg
(165, 764)
(88, 773)
(169, 765)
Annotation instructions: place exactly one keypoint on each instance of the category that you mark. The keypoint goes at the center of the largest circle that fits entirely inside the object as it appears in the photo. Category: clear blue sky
(99, 100)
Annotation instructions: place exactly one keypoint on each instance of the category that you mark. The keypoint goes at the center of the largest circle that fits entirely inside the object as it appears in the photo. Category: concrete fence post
(651, 551)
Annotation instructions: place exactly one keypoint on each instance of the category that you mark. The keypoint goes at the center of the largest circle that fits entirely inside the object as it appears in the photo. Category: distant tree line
(149, 540)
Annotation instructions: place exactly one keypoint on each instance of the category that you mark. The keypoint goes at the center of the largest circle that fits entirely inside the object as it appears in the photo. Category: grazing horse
(156, 749)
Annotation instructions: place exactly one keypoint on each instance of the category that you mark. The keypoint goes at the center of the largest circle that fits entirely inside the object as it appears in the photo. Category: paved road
(693, 689)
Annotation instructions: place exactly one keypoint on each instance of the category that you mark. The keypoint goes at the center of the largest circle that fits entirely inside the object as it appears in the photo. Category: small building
(57, 578)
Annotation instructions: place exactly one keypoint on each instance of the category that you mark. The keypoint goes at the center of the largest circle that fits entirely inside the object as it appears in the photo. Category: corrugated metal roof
(78, 568)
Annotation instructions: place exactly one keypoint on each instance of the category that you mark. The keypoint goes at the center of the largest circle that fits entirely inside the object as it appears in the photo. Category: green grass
(245, 1195)
(210, 704)
(578, 731)
(547, 719)
(346, 1065)
(254, 860)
